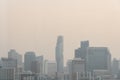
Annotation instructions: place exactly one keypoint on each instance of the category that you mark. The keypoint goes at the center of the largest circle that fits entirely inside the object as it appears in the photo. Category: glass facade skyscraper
(59, 57)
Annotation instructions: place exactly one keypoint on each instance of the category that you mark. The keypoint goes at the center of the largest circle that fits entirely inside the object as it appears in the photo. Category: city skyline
(34, 25)
(59, 39)
(89, 63)
(59, 45)
(64, 61)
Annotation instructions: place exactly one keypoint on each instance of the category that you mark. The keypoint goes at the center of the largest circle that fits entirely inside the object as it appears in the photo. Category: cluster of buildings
(89, 63)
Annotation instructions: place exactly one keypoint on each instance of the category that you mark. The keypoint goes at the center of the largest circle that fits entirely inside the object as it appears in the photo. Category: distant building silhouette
(98, 58)
(115, 66)
(35, 66)
(95, 57)
(40, 60)
(9, 63)
(81, 52)
(29, 57)
(59, 55)
(84, 44)
(12, 54)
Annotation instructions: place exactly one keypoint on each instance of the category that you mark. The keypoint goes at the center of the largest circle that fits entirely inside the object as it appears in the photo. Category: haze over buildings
(30, 27)
(28, 23)
(89, 63)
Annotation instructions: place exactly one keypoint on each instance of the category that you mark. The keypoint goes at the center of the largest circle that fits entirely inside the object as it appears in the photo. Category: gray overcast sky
(35, 24)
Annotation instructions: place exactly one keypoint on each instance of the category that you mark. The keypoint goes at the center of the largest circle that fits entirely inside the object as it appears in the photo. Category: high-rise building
(84, 44)
(29, 57)
(35, 66)
(12, 64)
(40, 60)
(98, 58)
(81, 52)
(45, 66)
(12, 54)
(115, 66)
(9, 63)
(59, 56)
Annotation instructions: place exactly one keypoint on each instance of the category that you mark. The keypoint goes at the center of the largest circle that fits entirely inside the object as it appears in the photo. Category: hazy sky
(33, 25)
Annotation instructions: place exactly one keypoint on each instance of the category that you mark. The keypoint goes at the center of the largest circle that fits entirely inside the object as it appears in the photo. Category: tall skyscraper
(29, 57)
(59, 56)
